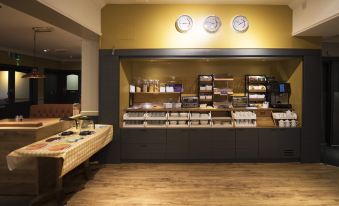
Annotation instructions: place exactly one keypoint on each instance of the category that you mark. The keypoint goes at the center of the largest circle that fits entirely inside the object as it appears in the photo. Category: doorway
(62, 87)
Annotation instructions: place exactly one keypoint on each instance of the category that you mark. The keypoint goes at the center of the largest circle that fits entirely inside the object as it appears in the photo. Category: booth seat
(51, 110)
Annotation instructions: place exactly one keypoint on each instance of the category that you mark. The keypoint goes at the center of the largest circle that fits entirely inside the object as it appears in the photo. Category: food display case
(219, 101)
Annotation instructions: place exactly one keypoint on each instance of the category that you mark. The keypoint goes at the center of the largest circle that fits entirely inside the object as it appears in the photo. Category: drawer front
(142, 151)
(133, 136)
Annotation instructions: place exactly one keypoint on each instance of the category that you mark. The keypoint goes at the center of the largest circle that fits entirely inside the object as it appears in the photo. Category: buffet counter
(245, 117)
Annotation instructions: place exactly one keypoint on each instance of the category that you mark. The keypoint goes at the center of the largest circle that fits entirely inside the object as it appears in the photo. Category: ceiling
(17, 35)
(262, 2)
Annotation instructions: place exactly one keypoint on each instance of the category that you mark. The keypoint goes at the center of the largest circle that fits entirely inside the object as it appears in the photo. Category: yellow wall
(153, 26)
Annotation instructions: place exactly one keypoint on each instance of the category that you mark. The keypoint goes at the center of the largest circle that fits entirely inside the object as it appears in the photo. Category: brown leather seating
(51, 110)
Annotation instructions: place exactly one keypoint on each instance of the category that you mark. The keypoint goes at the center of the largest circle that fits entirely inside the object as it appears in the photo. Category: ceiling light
(43, 29)
(46, 50)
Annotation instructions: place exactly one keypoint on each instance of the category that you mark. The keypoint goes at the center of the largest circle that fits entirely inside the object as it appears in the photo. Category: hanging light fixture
(35, 74)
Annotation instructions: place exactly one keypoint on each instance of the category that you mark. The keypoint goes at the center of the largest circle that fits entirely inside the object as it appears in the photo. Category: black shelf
(249, 82)
(209, 102)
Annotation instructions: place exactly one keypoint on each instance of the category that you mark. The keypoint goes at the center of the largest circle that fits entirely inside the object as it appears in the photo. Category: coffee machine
(279, 94)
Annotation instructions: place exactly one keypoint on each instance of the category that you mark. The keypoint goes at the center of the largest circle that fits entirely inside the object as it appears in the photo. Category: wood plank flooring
(211, 184)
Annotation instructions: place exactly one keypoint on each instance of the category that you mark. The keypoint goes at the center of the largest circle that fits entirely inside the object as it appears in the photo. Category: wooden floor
(211, 184)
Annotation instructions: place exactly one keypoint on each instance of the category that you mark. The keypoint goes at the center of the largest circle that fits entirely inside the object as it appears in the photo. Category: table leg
(49, 181)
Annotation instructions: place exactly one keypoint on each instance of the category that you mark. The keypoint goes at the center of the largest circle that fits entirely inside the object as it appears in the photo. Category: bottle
(138, 86)
(145, 86)
(156, 86)
(151, 86)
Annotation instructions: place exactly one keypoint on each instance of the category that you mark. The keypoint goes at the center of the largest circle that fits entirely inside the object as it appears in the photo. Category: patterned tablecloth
(74, 149)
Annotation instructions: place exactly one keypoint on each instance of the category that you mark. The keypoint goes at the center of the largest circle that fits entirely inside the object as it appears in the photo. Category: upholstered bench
(51, 110)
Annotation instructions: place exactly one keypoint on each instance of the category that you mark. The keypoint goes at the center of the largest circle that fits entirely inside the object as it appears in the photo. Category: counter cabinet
(210, 145)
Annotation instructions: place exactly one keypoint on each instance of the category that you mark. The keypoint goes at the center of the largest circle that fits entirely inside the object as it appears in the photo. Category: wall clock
(184, 23)
(240, 23)
(212, 24)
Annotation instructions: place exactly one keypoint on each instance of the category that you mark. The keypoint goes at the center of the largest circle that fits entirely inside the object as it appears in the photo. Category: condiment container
(132, 88)
(168, 105)
(162, 87)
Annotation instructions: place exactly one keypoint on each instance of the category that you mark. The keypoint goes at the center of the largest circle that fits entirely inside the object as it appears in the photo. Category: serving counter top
(203, 109)
(26, 124)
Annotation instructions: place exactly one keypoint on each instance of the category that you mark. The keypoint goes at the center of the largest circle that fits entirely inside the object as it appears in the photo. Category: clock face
(184, 23)
(240, 23)
(212, 24)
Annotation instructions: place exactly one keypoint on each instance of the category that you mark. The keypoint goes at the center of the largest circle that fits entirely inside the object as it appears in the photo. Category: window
(72, 82)
(21, 88)
(3, 87)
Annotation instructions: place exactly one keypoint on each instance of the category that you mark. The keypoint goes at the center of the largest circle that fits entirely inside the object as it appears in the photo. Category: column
(90, 77)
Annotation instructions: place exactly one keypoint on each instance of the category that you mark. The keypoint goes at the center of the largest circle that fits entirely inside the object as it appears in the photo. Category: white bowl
(203, 122)
(183, 114)
(195, 115)
(204, 115)
(195, 122)
(182, 122)
(173, 122)
(174, 114)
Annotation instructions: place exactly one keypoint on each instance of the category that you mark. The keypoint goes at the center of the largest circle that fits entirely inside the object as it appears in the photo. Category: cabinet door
(289, 143)
(222, 144)
(177, 144)
(143, 144)
(155, 136)
(247, 144)
(269, 148)
(199, 143)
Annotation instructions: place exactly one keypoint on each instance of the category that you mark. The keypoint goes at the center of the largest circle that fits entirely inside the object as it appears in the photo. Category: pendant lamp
(35, 74)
